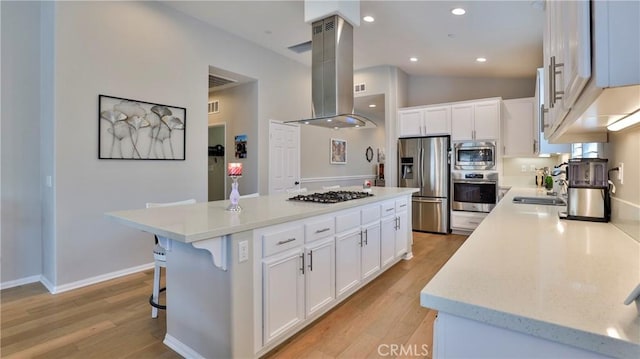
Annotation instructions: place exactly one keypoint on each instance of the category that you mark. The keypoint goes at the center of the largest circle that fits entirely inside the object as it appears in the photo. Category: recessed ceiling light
(481, 59)
(372, 105)
(328, 120)
(368, 18)
(335, 128)
(413, 59)
(357, 126)
(458, 11)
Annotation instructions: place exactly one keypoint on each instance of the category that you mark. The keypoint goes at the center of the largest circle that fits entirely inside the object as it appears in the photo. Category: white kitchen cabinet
(403, 232)
(437, 120)
(283, 294)
(388, 228)
(591, 67)
(411, 122)
(519, 137)
(370, 250)
(426, 121)
(540, 122)
(394, 229)
(320, 288)
(478, 120)
(348, 261)
(466, 221)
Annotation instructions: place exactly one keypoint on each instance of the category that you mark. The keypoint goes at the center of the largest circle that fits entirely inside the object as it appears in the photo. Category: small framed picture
(338, 152)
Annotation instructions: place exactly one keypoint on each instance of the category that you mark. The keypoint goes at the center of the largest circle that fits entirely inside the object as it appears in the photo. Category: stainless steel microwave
(478, 156)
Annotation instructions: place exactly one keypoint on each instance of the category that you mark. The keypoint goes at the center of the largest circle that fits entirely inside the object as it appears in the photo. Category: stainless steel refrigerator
(424, 163)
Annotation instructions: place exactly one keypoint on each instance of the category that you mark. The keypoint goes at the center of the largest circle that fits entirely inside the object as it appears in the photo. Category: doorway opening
(216, 162)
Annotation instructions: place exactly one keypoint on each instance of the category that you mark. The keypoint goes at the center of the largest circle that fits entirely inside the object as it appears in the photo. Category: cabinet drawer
(466, 220)
(388, 208)
(401, 204)
(319, 229)
(370, 214)
(284, 239)
(346, 221)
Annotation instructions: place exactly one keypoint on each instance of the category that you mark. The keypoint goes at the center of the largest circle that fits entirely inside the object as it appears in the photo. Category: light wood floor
(113, 319)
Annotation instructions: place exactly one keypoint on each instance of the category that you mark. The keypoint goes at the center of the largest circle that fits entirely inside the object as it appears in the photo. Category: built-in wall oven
(474, 191)
(472, 155)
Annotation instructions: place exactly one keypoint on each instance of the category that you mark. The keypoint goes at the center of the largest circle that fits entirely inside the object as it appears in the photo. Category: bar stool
(160, 259)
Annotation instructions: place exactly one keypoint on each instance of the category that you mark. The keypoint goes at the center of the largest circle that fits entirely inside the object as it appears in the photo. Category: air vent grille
(217, 81)
(328, 25)
(317, 29)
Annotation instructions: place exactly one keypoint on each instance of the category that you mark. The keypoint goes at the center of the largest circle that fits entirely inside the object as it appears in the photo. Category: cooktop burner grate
(330, 197)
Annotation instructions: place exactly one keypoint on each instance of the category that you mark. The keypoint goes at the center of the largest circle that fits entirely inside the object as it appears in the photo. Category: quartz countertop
(195, 222)
(526, 270)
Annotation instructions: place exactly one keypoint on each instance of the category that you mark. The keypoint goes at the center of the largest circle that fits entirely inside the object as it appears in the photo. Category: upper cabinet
(467, 120)
(424, 121)
(591, 67)
(476, 120)
(518, 127)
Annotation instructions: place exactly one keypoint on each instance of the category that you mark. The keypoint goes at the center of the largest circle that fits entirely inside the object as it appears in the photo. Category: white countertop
(526, 270)
(194, 222)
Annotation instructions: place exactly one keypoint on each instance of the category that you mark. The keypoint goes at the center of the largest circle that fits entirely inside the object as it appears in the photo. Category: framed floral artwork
(137, 130)
(338, 151)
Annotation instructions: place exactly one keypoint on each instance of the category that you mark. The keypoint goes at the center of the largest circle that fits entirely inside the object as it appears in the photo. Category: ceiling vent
(219, 81)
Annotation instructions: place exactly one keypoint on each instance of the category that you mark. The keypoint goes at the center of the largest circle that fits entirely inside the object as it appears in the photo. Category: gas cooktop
(330, 197)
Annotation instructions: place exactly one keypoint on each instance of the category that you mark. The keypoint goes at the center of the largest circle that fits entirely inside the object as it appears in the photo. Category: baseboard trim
(97, 279)
(21, 281)
(180, 348)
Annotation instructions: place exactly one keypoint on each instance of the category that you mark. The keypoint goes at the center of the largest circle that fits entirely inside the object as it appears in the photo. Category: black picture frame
(139, 130)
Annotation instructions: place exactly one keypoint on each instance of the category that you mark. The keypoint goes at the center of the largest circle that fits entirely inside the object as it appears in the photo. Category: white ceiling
(507, 33)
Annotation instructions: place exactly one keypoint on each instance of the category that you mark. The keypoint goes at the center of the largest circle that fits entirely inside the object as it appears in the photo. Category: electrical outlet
(243, 251)
(532, 168)
(523, 168)
(621, 172)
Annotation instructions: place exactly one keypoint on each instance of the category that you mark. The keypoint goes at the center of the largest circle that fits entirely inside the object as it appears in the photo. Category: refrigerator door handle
(421, 172)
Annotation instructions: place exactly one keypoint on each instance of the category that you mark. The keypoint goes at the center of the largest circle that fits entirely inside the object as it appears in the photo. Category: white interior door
(284, 157)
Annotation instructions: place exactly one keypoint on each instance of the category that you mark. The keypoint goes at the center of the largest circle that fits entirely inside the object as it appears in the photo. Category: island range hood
(332, 76)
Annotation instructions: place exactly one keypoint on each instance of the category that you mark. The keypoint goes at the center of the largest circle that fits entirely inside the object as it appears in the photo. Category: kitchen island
(528, 284)
(240, 283)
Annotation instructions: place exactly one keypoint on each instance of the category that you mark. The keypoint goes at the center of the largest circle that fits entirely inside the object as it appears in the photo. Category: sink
(548, 201)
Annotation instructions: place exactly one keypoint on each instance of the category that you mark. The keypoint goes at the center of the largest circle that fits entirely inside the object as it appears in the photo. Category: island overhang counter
(240, 283)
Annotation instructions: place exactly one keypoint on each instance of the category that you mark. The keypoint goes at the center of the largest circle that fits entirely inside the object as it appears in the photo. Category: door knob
(296, 183)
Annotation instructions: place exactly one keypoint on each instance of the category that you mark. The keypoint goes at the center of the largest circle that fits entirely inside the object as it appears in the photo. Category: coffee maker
(588, 190)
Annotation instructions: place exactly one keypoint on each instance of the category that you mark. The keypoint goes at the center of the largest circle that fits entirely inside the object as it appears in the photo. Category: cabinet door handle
(311, 260)
(474, 222)
(360, 242)
(286, 241)
(323, 230)
(366, 237)
(543, 110)
(389, 209)
(554, 95)
(403, 205)
(535, 143)
(302, 268)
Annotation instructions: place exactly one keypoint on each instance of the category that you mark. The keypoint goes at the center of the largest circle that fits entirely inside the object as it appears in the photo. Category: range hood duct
(332, 75)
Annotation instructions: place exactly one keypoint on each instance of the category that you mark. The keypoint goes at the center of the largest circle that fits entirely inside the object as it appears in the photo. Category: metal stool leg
(156, 290)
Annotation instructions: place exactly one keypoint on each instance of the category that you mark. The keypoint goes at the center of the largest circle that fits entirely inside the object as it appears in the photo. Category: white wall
(21, 249)
(428, 90)
(239, 111)
(151, 53)
(391, 82)
(624, 146)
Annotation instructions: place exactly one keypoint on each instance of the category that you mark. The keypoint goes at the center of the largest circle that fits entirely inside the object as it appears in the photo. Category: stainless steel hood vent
(332, 75)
